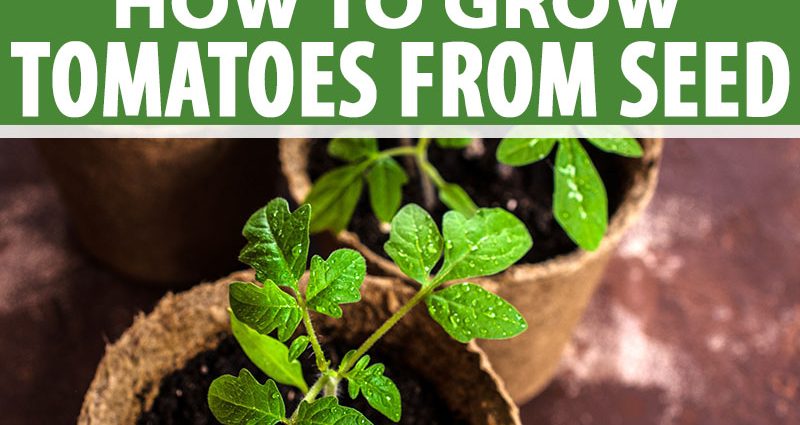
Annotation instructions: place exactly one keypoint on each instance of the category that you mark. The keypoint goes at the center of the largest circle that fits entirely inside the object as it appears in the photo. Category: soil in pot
(525, 191)
(182, 395)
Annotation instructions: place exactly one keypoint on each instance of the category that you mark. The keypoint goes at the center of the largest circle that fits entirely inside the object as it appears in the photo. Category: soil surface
(526, 191)
(182, 396)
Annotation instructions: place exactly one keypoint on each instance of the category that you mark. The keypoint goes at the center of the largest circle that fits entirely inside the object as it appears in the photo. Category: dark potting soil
(182, 396)
(525, 191)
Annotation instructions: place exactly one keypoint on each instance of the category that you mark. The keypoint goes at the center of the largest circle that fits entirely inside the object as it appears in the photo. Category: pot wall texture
(184, 325)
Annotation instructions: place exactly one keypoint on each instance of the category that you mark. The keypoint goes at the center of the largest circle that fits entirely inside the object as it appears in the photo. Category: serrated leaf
(299, 345)
(381, 393)
(457, 199)
(386, 180)
(620, 146)
(326, 411)
(518, 152)
(352, 150)
(467, 311)
(242, 400)
(335, 281)
(265, 308)
(579, 202)
(334, 198)
(415, 243)
(457, 143)
(269, 354)
(485, 244)
(277, 243)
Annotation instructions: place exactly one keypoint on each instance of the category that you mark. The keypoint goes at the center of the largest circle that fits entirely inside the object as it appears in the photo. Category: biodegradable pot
(182, 326)
(552, 295)
(163, 211)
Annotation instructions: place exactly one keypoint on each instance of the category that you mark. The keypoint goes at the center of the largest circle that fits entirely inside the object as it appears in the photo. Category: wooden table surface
(697, 322)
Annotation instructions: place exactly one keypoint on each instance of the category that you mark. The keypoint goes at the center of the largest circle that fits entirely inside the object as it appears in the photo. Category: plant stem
(432, 173)
(420, 154)
(316, 389)
(399, 151)
(428, 174)
(311, 395)
(319, 355)
(385, 327)
(388, 153)
(422, 146)
(332, 387)
(428, 193)
(330, 383)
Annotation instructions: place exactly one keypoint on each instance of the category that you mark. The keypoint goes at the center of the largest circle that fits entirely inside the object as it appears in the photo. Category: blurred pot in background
(163, 211)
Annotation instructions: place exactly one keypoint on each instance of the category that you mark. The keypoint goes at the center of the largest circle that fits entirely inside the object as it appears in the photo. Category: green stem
(319, 355)
(425, 165)
(433, 173)
(316, 389)
(419, 152)
(388, 153)
(311, 395)
(422, 146)
(428, 192)
(399, 151)
(332, 387)
(330, 381)
(386, 327)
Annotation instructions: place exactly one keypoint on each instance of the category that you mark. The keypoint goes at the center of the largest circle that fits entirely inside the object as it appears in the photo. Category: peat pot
(163, 211)
(552, 292)
(186, 327)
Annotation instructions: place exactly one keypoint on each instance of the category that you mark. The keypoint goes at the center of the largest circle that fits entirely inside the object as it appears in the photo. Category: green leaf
(326, 411)
(414, 243)
(269, 354)
(467, 311)
(579, 202)
(457, 199)
(277, 243)
(265, 308)
(297, 348)
(454, 143)
(518, 152)
(348, 357)
(381, 393)
(621, 146)
(242, 400)
(334, 198)
(485, 244)
(352, 150)
(335, 281)
(386, 180)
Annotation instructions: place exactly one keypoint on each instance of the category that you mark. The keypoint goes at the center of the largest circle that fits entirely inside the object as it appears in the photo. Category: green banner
(341, 62)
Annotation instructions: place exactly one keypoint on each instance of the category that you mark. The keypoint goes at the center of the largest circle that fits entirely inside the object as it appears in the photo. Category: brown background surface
(697, 322)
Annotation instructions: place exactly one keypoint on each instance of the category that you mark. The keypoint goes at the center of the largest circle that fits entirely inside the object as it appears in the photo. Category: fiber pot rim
(294, 161)
(183, 325)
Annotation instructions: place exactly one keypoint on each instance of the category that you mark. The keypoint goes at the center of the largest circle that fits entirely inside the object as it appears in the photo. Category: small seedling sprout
(265, 317)
(580, 203)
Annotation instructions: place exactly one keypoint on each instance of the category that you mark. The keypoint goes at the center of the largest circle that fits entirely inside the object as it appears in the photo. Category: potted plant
(162, 211)
(453, 383)
(576, 197)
